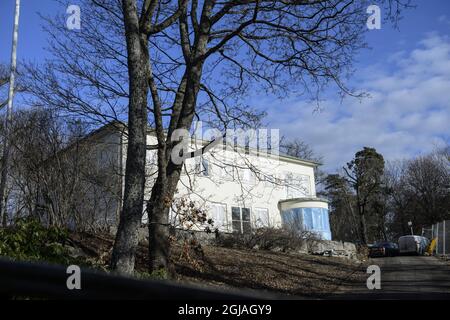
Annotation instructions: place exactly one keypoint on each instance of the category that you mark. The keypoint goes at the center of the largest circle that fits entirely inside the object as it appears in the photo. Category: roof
(286, 156)
(315, 199)
(301, 200)
(120, 126)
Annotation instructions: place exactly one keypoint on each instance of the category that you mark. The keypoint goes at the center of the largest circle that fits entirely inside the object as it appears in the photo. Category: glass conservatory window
(292, 218)
(320, 219)
(309, 219)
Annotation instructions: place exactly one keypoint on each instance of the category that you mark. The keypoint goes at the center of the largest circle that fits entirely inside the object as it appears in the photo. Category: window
(248, 176)
(144, 219)
(202, 167)
(297, 186)
(272, 180)
(315, 219)
(172, 217)
(241, 220)
(320, 219)
(103, 160)
(152, 158)
(319, 222)
(308, 221)
(291, 219)
(219, 216)
(223, 171)
(261, 216)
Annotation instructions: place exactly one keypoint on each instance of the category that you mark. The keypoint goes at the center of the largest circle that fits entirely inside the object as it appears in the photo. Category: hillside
(298, 275)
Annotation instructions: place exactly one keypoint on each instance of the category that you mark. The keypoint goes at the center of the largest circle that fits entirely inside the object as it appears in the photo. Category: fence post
(437, 238)
(443, 239)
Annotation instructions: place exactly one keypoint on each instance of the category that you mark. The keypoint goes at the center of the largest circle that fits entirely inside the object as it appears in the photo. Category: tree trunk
(5, 215)
(168, 172)
(123, 257)
(166, 184)
(363, 228)
(158, 228)
(158, 210)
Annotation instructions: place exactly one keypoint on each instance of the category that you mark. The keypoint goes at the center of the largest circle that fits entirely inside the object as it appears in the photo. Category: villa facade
(240, 190)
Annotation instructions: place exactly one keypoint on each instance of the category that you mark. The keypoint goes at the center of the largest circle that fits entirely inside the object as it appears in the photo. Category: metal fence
(441, 232)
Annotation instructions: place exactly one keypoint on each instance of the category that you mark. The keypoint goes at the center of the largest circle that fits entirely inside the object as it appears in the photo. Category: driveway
(405, 277)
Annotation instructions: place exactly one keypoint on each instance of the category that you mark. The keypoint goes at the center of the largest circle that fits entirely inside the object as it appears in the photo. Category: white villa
(240, 190)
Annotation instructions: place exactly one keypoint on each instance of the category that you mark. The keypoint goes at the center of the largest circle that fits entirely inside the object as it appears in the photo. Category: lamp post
(6, 144)
(410, 225)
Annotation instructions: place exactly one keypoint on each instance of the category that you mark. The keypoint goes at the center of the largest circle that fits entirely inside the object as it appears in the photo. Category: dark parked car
(384, 249)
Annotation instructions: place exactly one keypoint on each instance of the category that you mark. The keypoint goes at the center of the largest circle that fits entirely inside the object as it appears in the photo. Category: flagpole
(6, 144)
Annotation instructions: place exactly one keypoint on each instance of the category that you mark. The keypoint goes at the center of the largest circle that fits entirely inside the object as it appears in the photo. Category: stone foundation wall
(334, 248)
(315, 247)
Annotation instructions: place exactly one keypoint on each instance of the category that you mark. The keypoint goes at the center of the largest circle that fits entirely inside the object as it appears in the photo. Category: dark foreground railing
(20, 279)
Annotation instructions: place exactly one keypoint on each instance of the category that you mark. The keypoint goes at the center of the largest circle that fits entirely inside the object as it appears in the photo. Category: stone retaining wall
(315, 247)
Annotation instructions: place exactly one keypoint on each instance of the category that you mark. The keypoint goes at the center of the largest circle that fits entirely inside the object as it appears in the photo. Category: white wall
(227, 184)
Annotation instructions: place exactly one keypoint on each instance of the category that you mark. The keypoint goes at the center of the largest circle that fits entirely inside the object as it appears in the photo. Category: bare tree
(58, 177)
(399, 198)
(9, 111)
(183, 60)
(418, 191)
(427, 178)
(279, 41)
(300, 149)
(4, 79)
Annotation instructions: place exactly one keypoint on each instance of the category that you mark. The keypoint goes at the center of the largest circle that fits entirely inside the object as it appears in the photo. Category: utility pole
(6, 142)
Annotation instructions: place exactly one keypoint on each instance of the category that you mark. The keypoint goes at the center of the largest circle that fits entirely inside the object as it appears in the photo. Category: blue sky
(407, 73)
(31, 37)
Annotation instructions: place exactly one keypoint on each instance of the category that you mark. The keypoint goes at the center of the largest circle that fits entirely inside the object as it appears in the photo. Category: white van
(413, 245)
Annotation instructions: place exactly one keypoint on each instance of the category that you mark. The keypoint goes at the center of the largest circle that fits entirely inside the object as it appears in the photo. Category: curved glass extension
(306, 215)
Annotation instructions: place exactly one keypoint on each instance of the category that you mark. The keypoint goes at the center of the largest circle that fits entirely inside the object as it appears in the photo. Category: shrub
(189, 218)
(28, 239)
(160, 274)
(284, 239)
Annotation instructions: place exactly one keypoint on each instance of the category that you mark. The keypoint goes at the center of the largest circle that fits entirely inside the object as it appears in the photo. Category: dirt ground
(299, 275)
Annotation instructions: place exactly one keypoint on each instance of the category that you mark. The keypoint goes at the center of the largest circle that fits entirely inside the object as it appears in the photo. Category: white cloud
(408, 112)
(443, 19)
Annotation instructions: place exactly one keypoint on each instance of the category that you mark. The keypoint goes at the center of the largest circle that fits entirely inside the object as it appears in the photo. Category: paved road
(406, 277)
